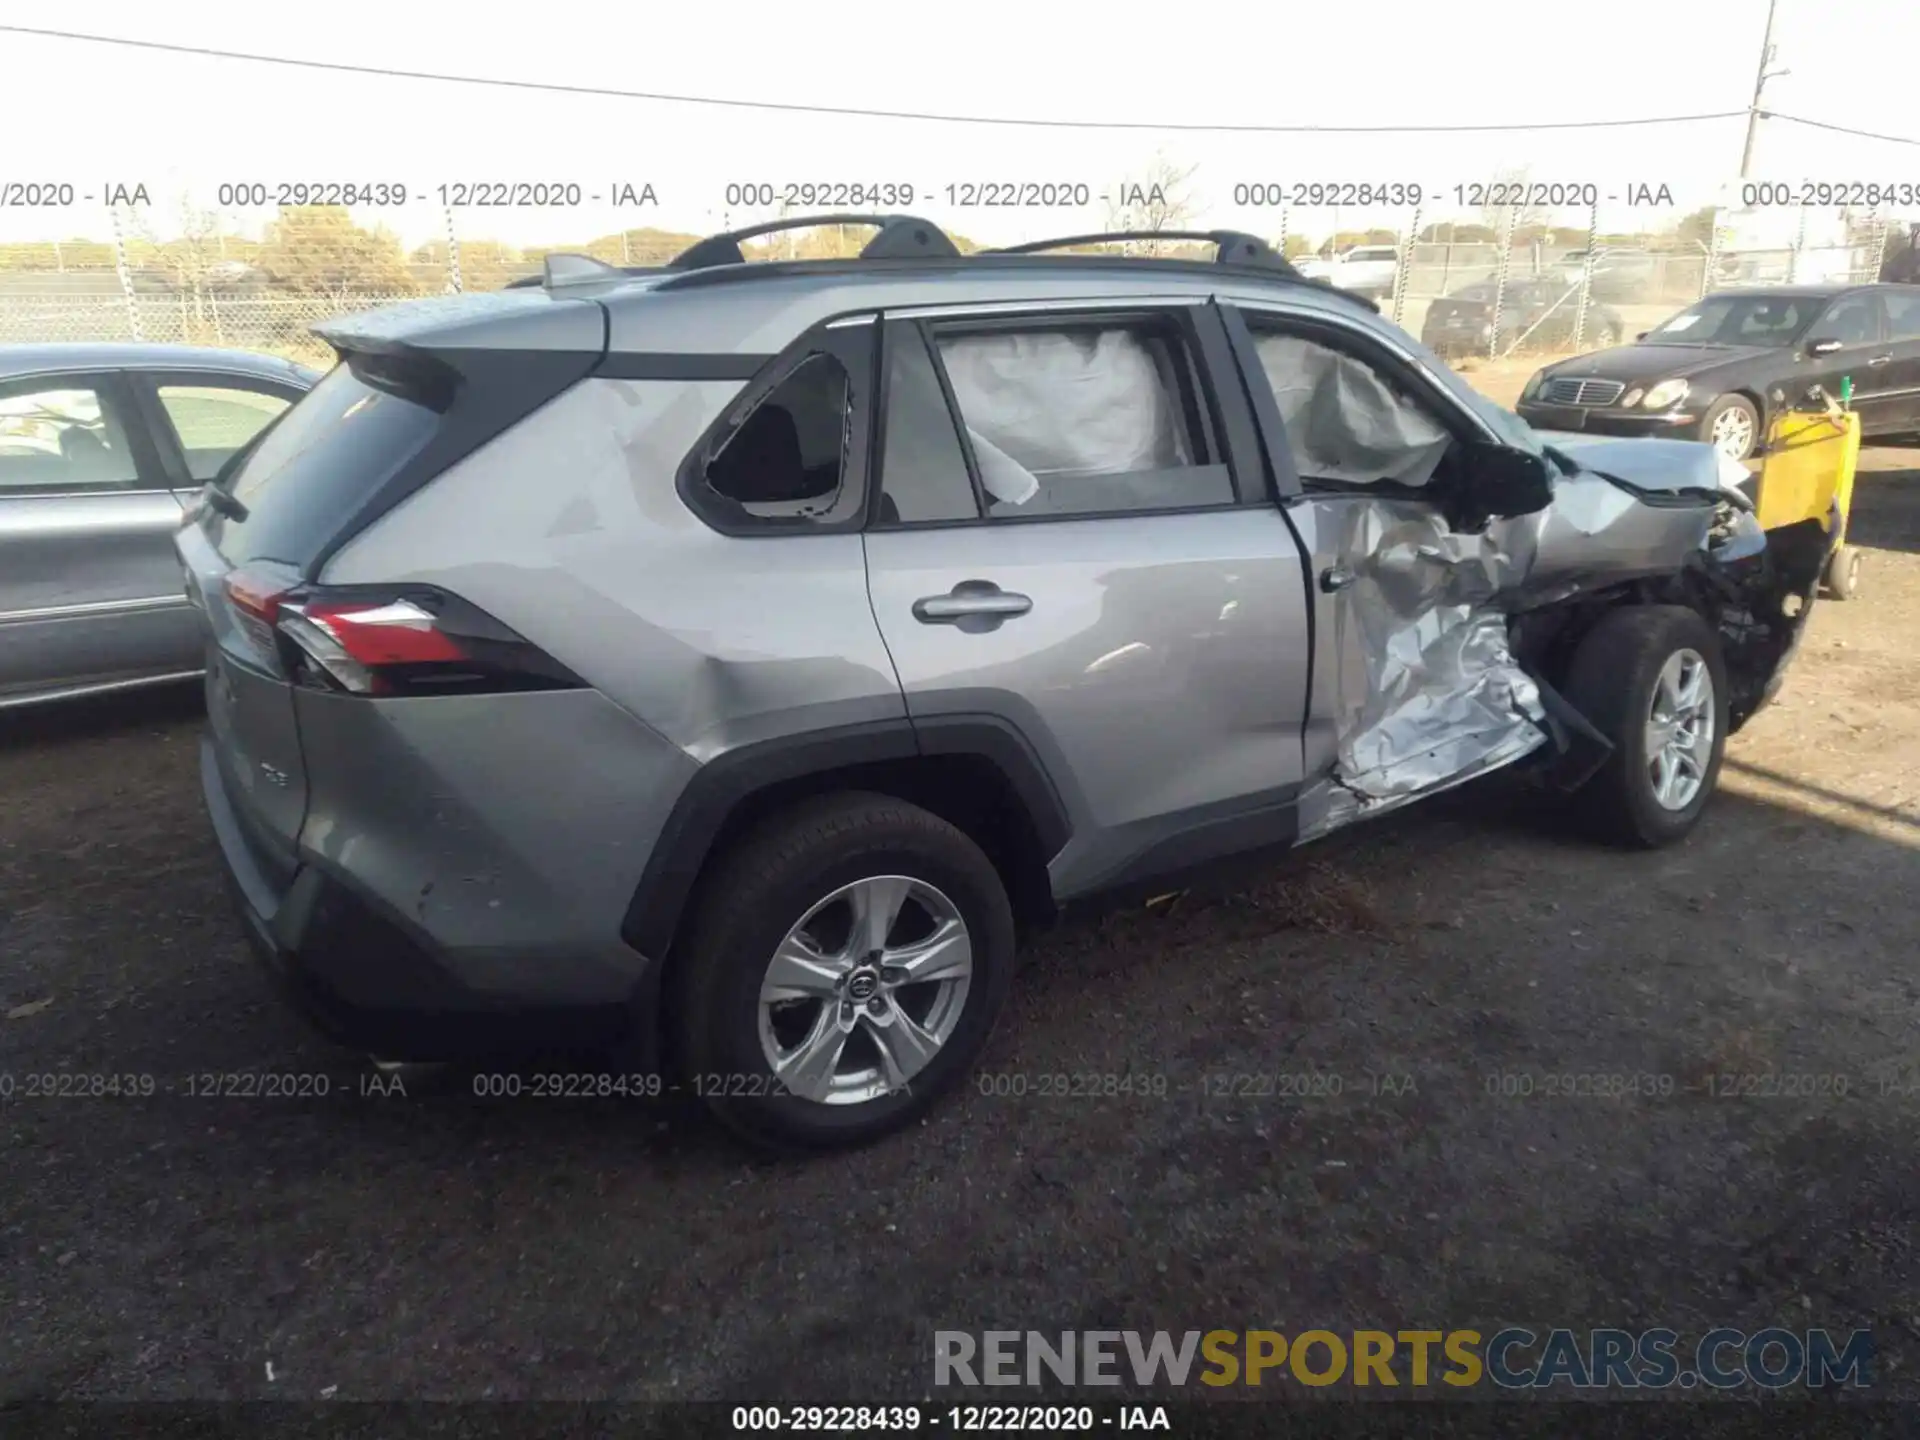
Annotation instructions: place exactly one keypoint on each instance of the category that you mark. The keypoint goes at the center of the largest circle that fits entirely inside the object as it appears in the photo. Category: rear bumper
(366, 980)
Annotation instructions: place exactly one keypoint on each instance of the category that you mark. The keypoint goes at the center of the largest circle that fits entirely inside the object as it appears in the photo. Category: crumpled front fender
(1431, 692)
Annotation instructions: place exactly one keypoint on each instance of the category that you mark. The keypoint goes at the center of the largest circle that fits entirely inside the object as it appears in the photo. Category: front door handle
(972, 604)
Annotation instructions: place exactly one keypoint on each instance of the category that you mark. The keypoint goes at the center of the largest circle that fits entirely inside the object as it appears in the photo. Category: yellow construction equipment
(1811, 456)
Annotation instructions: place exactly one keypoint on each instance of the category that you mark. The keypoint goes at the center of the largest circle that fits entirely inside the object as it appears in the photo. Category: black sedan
(1722, 368)
(1534, 315)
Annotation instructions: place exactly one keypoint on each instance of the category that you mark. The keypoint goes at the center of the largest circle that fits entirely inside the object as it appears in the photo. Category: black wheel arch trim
(719, 788)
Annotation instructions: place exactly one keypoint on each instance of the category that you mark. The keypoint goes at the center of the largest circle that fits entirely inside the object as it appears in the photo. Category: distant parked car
(1722, 368)
(1540, 314)
(102, 448)
(1624, 275)
(1368, 270)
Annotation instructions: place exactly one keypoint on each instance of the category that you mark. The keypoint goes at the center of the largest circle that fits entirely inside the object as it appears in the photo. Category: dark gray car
(1534, 315)
(101, 449)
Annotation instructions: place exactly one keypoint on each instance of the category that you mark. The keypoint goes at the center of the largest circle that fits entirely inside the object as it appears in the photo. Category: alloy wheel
(864, 990)
(1733, 433)
(1680, 726)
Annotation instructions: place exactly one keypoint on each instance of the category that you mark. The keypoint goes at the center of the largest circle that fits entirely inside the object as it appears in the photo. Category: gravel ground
(436, 1245)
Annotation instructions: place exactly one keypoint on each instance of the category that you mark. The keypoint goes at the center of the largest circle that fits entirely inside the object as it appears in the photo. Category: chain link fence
(276, 324)
(227, 278)
(1537, 290)
(1502, 284)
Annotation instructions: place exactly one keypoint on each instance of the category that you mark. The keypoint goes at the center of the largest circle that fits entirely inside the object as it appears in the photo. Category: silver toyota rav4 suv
(723, 663)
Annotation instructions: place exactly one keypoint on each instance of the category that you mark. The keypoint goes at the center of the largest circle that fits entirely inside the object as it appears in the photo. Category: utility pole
(1760, 78)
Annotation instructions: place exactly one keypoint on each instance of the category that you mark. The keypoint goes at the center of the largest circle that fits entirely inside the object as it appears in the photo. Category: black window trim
(853, 340)
(1243, 322)
(146, 382)
(1213, 408)
(114, 388)
(895, 333)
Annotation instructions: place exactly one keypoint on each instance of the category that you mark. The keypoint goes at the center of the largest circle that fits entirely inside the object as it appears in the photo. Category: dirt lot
(442, 1246)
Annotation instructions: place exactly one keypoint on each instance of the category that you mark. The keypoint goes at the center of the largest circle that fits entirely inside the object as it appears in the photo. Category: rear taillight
(414, 640)
(254, 597)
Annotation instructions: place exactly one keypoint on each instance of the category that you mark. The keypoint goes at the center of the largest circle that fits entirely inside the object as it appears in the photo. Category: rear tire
(846, 1030)
(1626, 677)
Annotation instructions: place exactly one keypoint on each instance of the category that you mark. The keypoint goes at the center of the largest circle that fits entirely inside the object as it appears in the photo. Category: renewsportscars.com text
(1514, 1358)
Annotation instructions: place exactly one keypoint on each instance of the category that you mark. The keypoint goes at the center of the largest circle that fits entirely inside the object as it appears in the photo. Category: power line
(1839, 129)
(554, 87)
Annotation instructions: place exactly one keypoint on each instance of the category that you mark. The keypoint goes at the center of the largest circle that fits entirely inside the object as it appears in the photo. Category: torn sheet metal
(1430, 693)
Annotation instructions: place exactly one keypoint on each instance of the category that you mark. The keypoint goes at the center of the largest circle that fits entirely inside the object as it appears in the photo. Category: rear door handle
(972, 604)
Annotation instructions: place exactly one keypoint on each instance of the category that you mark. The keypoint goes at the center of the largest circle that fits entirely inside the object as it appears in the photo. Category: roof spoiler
(427, 345)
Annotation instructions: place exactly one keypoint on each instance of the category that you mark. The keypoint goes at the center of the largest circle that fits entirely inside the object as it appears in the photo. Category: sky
(184, 125)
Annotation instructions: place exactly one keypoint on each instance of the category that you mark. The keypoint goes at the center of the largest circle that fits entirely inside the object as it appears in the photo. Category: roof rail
(909, 238)
(901, 237)
(1232, 247)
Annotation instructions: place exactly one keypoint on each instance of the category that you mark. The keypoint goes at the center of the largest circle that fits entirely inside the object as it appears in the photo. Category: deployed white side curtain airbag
(1343, 422)
(1054, 405)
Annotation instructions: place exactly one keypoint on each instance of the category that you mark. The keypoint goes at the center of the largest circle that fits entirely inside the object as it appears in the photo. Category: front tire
(1732, 426)
(844, 970)
(1652, 679)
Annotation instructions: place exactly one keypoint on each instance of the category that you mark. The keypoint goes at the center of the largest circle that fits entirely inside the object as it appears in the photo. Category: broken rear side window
(788, 458)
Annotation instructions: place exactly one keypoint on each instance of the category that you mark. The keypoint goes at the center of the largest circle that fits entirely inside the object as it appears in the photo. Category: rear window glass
(315, 465)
